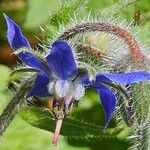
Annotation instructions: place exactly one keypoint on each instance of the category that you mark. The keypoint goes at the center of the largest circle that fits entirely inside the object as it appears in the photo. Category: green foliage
(78, 130)
(4, 77)
(70, 9)
(39, 11)
(23, 70)
(71, 127)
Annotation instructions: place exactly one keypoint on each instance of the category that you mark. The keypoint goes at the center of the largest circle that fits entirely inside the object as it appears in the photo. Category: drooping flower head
(61, 78)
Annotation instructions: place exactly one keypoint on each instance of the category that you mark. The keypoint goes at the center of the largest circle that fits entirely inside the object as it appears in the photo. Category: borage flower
(62, 79)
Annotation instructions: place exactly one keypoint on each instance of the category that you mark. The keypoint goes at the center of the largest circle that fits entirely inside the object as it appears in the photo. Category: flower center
(66, 89)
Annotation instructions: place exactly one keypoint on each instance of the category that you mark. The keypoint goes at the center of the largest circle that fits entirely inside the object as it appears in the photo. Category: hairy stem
(93, 51)
(136, 54)
(14, 105)
(132, 118)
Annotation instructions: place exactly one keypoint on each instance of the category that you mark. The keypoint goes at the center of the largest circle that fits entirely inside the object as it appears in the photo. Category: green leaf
(44, 120)
(39, 11)
(71, 127)
(117, 7)
(79, 133)
(70, 9)
(4, 78)
(23, 70)
(4, 75)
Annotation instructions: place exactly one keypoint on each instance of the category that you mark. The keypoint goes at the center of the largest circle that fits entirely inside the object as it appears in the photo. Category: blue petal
(14, 35)
(123, 78)
(81, 76)
(108, 102)
(61, 59)
(40, 86)
(17, 40)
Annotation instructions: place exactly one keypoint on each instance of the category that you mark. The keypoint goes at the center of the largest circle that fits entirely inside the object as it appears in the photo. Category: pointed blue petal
(15, 37)
(123, 78)
(61, 59)
(17, 40)
(108, 102)
(40, 86)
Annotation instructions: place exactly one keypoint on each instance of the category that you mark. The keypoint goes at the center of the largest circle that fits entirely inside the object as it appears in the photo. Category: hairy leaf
(23, 70)
(71, 127)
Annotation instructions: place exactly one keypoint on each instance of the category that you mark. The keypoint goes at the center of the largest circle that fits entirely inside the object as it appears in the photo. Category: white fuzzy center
(66, 89)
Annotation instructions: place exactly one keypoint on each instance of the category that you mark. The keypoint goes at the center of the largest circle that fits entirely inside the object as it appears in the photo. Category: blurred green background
(31, 15)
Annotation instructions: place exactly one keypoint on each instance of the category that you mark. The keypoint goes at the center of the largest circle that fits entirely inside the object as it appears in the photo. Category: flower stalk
(57, 129)
(59, 117)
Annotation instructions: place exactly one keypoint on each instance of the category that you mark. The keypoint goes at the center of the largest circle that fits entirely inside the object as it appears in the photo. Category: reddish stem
(57, 131)
(136, 53)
